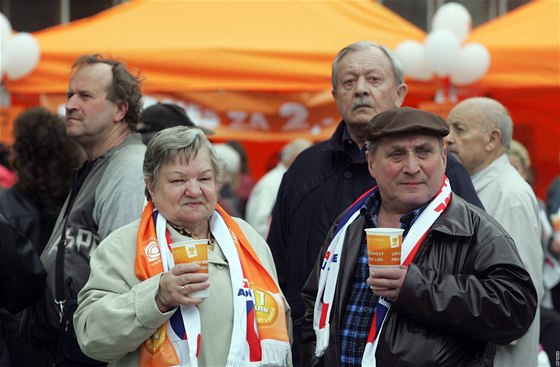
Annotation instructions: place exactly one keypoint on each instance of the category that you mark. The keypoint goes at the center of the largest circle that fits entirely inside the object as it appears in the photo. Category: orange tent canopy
(188, 45)
(524, 75)
(525, 47)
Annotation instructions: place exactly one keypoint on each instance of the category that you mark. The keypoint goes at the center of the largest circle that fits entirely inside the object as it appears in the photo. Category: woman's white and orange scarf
(330, 268)
(260, 333)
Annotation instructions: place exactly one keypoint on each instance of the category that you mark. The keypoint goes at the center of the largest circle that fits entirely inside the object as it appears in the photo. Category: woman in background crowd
(43, 158)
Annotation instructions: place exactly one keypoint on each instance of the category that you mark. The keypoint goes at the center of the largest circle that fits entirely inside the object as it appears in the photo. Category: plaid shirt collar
(371, 207)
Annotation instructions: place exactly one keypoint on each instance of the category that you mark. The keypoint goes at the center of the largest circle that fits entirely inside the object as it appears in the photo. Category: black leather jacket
(465, 291)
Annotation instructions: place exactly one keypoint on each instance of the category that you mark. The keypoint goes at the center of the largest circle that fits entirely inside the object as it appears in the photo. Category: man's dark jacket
(321, 183)
(465, 291)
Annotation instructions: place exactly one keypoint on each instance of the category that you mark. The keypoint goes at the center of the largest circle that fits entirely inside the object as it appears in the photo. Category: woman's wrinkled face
(186, 192)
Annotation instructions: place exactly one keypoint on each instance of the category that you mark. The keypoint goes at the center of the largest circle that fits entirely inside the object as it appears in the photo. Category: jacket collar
(454, 221)
(133, 138)
(340, 142)
(335, 142)
(489, 174)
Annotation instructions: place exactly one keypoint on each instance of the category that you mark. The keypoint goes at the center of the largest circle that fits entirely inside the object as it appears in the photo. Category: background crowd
(114, 176)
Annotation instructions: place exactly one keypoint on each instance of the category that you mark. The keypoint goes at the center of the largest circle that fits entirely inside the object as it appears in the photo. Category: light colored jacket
(262, 199)
(117, 312)
(509, 199)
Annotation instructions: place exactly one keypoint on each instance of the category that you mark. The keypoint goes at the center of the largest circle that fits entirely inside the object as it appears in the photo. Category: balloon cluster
(443, 52)
(19, 52)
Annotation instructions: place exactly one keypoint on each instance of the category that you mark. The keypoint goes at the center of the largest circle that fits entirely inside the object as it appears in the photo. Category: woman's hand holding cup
(176, 285)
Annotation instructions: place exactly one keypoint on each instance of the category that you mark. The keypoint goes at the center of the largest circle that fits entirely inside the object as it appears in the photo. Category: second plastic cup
(555, 220)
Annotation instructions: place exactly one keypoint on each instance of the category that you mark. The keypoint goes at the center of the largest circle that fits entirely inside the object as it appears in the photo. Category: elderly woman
(136, 308)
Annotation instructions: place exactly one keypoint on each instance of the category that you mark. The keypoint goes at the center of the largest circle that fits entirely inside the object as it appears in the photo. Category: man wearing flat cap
(461, 287)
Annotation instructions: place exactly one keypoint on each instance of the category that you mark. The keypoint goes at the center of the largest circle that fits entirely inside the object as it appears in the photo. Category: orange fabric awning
(203, 45)
(525, 47)
(524, 75)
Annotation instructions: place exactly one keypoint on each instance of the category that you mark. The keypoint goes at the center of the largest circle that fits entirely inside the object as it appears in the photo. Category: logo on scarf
(245, 291)
(266, 306)
(152, 251)
(326, 259)
(154, 342)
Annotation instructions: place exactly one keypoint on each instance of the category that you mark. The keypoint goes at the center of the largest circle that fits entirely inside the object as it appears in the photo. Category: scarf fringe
(322, 341)
(274, 353)
(231, 363)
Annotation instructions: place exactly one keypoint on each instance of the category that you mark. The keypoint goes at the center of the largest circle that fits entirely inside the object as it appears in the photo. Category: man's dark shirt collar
(350, 146)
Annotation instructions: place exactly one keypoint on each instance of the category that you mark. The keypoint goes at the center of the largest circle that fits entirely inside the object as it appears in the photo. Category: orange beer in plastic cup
(384, 247)
(193, 251)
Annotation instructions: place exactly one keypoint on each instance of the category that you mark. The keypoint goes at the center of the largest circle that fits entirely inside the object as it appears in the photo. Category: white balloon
(442, 51)
(415, 63)
(21, 55)
(474, 61)
(455, 18)
(5, 34)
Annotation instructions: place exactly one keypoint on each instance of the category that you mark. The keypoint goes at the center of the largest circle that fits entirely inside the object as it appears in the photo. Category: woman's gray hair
(398, 70)
(178, 141)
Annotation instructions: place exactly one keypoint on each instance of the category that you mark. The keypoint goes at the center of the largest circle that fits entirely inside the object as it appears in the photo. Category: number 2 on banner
(298, 115)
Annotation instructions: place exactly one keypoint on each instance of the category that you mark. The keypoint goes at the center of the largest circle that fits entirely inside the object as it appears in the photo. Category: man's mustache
(361, 102)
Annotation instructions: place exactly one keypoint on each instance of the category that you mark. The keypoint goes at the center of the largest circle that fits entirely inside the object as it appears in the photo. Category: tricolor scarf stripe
(330, 267)
(267, 332)
(261, 341)
(348, 218)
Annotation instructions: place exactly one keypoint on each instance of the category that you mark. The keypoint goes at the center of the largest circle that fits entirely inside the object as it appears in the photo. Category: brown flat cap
(405, 120)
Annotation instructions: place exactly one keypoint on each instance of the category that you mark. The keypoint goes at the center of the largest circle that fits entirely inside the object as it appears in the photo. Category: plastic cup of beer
(384, 247)
(193, 251)
(555, 221)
